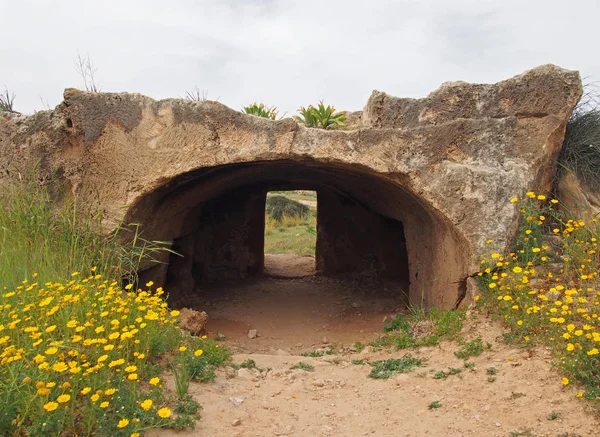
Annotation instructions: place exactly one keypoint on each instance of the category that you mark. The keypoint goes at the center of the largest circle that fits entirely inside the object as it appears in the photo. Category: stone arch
(225, 204)
(445, 165)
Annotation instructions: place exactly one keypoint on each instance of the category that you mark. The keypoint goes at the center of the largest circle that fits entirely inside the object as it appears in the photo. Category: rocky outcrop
(576, 199)
(445, 166)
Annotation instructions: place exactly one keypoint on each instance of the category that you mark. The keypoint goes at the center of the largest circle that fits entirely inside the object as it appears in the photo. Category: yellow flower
(520, 322)
(570, 347)
(593, 352)
(110, 392)
(50, 406)
(104, 404)
(174, 313)
(514, 200)
(517, 269)
(128, 286)
(554, 201)
(492, 285)
(164, 412)
(95, 397)
(85, 390)
(59, 367)
(50, 328)
(51, 351)
(130, 369)
(146, 404)
(134, 434)
(200, 351)
(123, 423)
(541, 197)
(154, 381)
(132, 376)
(63, 398)
(565, 381)
(182, 348)
(579, 394)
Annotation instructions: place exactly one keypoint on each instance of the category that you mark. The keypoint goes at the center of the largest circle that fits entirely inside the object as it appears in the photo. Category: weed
(443, 375)
(248, 364)
(358, 362)
(187, 406)
(469, 365)
(358, 346)
(386, 369)
(7, 101)
(434, 405)
(553, 416)
(304, 366)
(469, 349)
(525, 433)
(491, 379)
(492, 371)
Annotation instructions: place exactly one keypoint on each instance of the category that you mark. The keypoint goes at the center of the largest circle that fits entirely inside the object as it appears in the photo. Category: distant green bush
(279, 207)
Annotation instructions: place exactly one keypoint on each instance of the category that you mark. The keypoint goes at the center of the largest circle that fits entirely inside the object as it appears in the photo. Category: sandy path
(339, 399)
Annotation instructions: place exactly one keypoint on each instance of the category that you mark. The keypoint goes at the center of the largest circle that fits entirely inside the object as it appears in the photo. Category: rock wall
(445, 165)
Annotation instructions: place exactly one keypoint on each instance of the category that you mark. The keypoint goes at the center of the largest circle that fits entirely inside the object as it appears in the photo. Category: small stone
(245, 374)
(252, 333)
(236, 401)
(236, 422)
(498, 424)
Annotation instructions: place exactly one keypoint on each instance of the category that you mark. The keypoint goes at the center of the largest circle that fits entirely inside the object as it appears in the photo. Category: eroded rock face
(444, 166)
(576, 199)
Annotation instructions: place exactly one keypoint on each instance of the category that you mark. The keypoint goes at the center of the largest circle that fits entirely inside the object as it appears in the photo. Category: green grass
(443, 375)
(38, 237)
(290, 234)
(434, 405)
(446, 325)
(304, 366)
(469, 349)
(388, 368)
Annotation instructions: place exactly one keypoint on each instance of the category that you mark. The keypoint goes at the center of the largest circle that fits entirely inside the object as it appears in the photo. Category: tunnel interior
(367, 226)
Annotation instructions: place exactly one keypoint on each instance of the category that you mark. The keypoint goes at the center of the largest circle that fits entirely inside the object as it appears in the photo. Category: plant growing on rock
(321, 116)
(260, 110)
(6, 101)
(548, 290)
(581, 147)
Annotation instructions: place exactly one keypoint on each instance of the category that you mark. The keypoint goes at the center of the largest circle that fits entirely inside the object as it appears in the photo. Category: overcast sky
(287, 53)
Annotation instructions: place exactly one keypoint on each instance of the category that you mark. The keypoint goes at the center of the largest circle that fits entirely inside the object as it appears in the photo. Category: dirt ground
(339, 399)
(287, 265)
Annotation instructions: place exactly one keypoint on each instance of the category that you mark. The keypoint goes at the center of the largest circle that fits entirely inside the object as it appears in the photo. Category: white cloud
(287, 53)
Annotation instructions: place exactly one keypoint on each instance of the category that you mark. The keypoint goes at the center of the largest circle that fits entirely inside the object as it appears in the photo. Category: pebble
(236, 422)
(253, 333)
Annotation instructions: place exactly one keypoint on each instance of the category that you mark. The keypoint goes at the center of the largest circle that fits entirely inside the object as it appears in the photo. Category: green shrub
(260, 110)
(321, 116)
(386, 369)
(279, 207)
